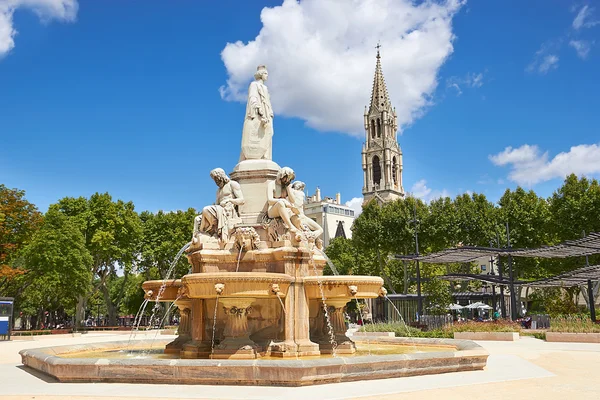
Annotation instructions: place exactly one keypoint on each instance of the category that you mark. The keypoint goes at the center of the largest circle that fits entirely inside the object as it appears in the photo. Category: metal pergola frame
(586, 246)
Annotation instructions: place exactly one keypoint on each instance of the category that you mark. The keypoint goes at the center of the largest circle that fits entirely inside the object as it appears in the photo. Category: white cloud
(421, 191)
(529, 166)
(582, 20)
(321, 57)
(549, 62)
(471, 80)
(356, 205)
(545, 59)
(582, 47)
(46, 10)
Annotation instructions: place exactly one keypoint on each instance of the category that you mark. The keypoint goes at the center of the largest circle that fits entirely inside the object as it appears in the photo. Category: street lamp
(502, 300)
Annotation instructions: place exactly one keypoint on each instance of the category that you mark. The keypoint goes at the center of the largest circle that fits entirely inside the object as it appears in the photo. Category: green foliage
(498, 325)
(57, 262)
(438, 296)
(399, 329)
(112, 231)
(537, 335)
(402, 330)
(575, 323)
(554, 301)
(133, 296)
(164, 234)
(349, 259)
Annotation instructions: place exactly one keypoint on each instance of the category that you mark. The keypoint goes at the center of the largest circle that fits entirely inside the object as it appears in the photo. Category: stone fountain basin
(341, 286)
(236, 284)
(465, 355)
(170, 292)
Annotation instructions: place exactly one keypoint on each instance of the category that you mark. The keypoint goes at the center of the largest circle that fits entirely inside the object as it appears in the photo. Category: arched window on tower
(394, 173)
(373, 129)
(378, 128)
(376, 171)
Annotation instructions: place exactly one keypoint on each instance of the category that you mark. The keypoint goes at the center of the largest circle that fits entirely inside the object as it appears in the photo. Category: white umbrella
(484, 307)
(455, 307)
(477, 305)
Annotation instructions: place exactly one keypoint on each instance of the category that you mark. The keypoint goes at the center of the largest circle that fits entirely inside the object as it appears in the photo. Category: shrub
(492, 326)
(402, 330)
(574, 323)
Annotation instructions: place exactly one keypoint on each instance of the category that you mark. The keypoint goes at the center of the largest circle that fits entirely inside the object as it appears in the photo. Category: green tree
(575, 208)
(476, 218)
(528, 217)
(57, 264)
(112, 232)
(164, 234)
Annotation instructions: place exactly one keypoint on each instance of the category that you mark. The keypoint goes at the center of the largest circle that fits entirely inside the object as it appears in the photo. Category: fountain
(256, 308)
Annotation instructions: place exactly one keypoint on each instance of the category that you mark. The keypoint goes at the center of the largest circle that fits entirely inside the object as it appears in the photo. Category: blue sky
(142, 101)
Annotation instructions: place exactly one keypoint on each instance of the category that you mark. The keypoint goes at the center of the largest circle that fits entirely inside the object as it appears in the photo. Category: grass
(537, 335)
(573, 324)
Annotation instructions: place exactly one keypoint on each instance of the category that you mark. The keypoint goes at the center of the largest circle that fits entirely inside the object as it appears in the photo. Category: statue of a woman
(257, 133)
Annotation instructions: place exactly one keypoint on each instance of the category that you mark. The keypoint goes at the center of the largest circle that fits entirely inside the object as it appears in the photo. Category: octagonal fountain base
(454, 356)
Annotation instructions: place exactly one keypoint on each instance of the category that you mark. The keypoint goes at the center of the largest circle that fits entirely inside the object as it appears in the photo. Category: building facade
(381, 154)
(334, 217)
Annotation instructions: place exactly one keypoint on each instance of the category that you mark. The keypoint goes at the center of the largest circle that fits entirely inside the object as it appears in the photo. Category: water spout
(353, 290)
(212, 341)
(242, 245)
(219, 287)
(362, 322)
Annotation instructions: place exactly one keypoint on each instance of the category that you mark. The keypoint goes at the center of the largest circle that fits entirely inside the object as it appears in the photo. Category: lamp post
(492, 273)
(419, 298)
(500, 273)
(511, 282)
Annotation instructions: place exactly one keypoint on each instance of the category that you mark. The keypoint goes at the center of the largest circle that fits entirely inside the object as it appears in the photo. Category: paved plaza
(526, 369)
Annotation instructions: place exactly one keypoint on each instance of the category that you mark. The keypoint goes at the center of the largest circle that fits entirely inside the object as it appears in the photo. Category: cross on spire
(378, 47)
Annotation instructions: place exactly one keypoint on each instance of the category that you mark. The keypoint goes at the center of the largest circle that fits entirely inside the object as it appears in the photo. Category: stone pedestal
(253, 176)
(198, 347)
(184, 329)
(343, 344)
(236, 342)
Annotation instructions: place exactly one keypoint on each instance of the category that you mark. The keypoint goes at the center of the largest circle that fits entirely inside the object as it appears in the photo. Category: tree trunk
(80, 311)
(110, 307)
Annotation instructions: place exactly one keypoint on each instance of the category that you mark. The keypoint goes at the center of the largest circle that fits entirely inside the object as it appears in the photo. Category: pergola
(586, 246)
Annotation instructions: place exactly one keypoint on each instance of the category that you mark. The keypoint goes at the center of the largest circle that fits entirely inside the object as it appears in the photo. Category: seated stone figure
(297, 196)
(279, 201)
(219, 219)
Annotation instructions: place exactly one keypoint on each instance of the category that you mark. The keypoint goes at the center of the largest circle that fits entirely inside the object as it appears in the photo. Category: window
(378, 128)
(376, 171)
(394, 174)
(373, 129)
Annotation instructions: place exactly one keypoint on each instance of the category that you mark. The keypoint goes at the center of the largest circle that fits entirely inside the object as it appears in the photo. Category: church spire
(380, 100)
(381, 155)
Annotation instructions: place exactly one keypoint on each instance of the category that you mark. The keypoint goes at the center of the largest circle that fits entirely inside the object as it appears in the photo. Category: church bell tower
(381, 154)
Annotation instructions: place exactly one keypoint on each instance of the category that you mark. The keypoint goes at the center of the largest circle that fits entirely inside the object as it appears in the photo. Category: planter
(374, 334)
(572, 337)
(501, 336)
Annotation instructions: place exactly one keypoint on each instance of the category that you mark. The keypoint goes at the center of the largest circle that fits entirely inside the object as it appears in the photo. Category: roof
(380, 100)
(572, 278)
(494, 279)
(572, 248)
